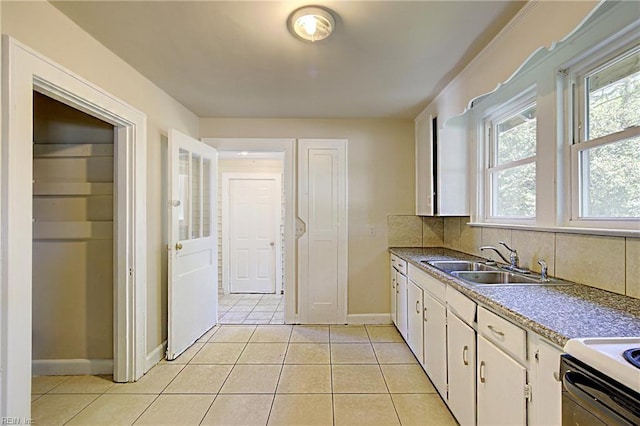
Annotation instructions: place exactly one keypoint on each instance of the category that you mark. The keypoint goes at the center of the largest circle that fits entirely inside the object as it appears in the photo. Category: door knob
(272, 243)
(178, 246)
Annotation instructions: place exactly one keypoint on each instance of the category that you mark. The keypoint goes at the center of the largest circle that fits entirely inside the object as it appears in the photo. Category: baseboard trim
(369, 319)
(155, 356)
(64, 367)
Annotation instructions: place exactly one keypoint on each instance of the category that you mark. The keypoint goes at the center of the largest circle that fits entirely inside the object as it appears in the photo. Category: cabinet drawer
(504, 334)
(463, 307)
(428, 283)
(399, 264)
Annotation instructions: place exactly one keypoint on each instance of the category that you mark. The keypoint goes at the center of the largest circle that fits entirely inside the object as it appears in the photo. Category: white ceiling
(237, 59)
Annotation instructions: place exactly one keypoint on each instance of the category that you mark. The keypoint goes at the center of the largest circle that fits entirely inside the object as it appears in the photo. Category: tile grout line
(83, 408)
(228, 374)
(393, 404)
(275, 391)
(333, 400)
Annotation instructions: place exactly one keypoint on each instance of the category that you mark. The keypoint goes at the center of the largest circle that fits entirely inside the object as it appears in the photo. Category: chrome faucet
(513, 256)
(496, 250)
(544, 276)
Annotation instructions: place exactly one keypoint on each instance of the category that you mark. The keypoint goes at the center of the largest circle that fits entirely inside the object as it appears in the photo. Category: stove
(601, 381)
(632, 356)
(607, 355)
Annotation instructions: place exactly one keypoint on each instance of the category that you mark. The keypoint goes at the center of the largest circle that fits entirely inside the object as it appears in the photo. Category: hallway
(264, 374)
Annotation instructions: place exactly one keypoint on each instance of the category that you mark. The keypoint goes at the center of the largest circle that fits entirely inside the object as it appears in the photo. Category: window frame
(518, 103)
(576, 74)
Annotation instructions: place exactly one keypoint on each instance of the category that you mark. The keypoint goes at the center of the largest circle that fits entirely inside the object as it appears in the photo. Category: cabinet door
(501, 385)
(435, 342)
(401, 304)
(461, 365)
(393, 296)
(424, 166)
(414, 319)
(548, 397)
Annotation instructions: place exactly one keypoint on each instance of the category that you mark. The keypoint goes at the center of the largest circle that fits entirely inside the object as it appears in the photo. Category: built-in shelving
(72, 191)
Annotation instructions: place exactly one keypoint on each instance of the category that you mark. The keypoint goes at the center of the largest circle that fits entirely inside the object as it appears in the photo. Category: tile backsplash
(415, 231)
(608, 263)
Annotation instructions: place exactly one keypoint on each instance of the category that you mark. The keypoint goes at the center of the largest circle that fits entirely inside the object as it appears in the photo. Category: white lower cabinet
(435, 342)
(401, 304)
(414, 320)
(461, 364)
(394, 302)
(545, 408)
(501, 387)
(488, 370)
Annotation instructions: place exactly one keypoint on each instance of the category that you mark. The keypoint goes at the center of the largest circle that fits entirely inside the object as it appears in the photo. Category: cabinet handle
(417, 306)
(482, 378)
(465, 352)
(495, 330)
(424, 315)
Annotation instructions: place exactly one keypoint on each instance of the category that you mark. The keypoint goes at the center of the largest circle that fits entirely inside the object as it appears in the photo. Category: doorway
(28, 71)
(285, 147)
(73, 246)
(251, 279)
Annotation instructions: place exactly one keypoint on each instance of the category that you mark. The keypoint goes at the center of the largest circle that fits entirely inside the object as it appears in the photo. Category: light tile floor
(251, 309)
(259, 375)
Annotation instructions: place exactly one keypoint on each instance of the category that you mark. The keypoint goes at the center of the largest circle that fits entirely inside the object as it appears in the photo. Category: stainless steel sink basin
(502, 278)
(460, 265)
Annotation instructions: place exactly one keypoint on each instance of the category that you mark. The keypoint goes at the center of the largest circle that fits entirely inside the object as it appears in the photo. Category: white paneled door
(254, 211)
(322, 246)
(193, 256)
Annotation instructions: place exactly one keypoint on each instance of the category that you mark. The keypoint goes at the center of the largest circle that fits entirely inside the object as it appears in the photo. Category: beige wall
(380, 183)
(43, 28)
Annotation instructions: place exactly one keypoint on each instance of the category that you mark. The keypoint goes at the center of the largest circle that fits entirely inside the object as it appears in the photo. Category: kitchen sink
(481, 274)
(503, 278)
(460, 265)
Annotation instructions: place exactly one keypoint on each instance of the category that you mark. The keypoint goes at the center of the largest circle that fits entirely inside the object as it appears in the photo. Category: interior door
(193, 250)
(322, 247)
(254, 207)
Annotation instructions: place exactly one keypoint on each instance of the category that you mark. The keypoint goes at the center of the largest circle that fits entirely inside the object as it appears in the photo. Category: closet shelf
(72, 230)
(51, 150)
(72, 188)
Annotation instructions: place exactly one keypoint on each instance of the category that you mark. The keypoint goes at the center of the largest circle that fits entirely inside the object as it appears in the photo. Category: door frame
(24, 71)
(288, 147)
(226, 232)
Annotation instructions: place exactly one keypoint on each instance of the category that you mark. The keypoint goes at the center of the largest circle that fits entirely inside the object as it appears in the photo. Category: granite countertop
(558, 313)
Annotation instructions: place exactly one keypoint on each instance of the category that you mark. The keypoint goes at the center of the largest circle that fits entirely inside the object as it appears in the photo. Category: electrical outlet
(372, 231)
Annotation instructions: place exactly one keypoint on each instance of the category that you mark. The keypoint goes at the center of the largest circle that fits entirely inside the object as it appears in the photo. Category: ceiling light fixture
(311, 23)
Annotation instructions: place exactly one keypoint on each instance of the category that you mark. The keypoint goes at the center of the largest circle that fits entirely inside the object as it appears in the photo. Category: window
(605, 154)
(511, 167)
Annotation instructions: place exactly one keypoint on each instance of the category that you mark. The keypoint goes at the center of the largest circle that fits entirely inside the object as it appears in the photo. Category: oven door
(589, 397)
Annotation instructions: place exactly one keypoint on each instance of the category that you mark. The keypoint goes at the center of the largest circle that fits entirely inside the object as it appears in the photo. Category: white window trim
(521, 101)
(571, 75)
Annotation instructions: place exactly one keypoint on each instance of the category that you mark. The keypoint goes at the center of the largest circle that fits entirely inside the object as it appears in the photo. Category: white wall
(43, 28)
(380, 183)
(539, 24)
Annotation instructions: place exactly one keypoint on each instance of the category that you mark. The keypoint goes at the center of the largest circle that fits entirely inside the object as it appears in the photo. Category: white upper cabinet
(442, 166)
